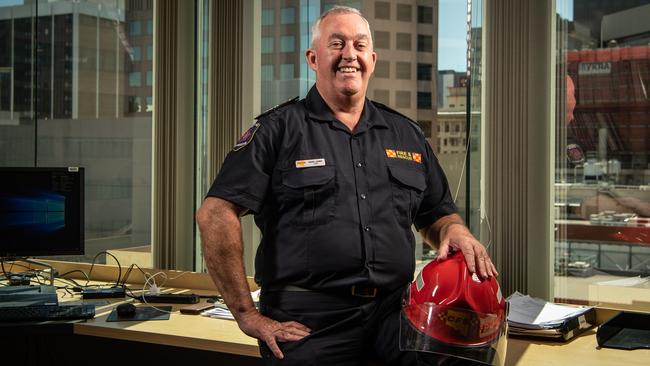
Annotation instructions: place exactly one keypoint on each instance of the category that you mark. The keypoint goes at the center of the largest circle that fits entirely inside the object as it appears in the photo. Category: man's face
(342, 55)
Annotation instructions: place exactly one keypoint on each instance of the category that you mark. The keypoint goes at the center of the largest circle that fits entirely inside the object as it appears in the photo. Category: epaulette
(391, 110)
(269, 111)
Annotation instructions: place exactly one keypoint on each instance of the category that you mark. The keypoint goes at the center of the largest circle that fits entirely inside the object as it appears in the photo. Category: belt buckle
(364, 292)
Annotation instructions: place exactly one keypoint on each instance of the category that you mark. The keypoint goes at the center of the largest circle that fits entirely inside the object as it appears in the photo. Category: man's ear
(310, 55)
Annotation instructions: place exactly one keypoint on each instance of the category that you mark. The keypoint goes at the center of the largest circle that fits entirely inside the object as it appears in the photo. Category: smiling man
(335, 182)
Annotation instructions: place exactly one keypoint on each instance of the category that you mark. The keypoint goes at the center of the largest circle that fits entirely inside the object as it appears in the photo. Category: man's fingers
(494, 269)
(482, 266)
(292, 331)
(296, 325)
(273, 346)
(285, 336)
(443, 250)
(470, 258)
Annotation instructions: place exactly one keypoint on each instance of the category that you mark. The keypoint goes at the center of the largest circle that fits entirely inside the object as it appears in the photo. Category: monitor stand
(32, 261)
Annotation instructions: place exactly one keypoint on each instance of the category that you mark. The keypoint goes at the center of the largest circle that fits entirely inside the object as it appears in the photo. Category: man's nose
(349, 53)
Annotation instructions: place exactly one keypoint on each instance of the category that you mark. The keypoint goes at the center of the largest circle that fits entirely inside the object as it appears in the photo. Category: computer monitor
(41, 211)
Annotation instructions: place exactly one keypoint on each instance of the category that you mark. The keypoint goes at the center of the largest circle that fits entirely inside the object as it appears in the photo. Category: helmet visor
(453, 332)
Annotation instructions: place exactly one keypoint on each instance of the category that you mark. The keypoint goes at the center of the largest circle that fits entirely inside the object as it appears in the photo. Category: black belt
(354, 290)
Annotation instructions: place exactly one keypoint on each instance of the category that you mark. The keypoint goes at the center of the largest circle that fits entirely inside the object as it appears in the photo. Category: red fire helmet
(448, 310)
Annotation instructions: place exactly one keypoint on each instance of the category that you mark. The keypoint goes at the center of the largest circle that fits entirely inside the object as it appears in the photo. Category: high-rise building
(405, 38)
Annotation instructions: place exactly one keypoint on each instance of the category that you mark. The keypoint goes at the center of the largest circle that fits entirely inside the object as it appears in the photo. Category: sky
(452, 35)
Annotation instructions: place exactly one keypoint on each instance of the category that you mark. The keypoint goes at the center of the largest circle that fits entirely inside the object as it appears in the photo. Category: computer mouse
(126, 310)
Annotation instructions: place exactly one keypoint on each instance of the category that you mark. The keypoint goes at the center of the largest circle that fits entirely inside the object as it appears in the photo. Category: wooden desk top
(190, 331)
(582, 350)
(203, 333)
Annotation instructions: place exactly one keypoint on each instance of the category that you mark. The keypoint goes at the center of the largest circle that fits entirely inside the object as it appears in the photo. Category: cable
(119, 266)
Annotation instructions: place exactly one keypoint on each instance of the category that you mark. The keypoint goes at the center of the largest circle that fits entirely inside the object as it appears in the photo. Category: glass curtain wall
(76, 90)
(602, 184)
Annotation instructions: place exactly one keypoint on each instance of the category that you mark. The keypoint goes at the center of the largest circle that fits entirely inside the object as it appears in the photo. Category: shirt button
(367, 228)
(363, 196)
(359, 164)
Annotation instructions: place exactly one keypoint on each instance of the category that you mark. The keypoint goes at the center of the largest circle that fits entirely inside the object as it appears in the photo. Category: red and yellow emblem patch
(404, 155)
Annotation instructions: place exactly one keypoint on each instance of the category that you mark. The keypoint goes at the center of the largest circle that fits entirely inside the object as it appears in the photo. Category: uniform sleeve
(437, 201)
(245, 175)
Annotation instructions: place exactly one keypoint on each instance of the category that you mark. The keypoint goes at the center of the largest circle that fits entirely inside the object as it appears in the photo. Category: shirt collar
(320, 111)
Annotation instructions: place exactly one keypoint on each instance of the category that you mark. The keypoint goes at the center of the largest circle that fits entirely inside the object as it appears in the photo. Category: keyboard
(47, 312)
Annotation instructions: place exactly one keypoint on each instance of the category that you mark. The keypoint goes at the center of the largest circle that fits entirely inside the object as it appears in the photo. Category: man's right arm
(221, 238)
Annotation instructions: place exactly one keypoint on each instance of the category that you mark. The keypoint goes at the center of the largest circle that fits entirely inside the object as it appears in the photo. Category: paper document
(221, 311)
(530, 313)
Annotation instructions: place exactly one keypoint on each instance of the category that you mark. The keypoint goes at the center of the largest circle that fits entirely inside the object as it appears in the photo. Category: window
(267, 44)
(602, 152)
(136, 53)
(149, 52)
(424, 71)
(149, 104)
(382, 96)
(286, 71)
(425, 14)
(150, 26)
(446, 126)
(83, 100)
(382, 40)
(287, 43)
(267, 16)
(424, 100)
(149, 78)
(403, 41)
(135, 79)
(403, 99)
(404, 12)
(425, 43)
(135, 28)
(135, 104)
(382, 10)
(382, 69)
(288, 15)
(267, 72)
(403, 70)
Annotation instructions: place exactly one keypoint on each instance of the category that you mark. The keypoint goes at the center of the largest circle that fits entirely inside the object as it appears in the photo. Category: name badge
(310, 163)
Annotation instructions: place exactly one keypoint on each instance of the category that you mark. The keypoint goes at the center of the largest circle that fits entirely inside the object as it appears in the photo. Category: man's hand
(270, 331)
(457, 236)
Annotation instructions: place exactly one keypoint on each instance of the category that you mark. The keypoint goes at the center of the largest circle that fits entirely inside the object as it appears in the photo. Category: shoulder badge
(391, 110)
(269, 111)
(247, 137)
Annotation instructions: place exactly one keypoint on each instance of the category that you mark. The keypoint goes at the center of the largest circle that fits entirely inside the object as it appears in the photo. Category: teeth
(347, 69)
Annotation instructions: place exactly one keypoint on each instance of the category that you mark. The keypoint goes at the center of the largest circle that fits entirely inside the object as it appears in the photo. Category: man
(335, 182)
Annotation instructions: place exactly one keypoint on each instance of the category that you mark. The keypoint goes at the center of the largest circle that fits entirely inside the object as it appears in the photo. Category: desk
(197, 339)
(208, 334)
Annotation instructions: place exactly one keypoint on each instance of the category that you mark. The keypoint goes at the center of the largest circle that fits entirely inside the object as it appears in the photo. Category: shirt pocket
(407, 185)
(310, 194)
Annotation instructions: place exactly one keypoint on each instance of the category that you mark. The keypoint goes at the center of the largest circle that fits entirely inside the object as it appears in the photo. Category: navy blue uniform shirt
(335, 207)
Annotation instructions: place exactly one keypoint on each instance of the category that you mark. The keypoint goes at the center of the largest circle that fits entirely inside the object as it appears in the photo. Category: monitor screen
(41, 211)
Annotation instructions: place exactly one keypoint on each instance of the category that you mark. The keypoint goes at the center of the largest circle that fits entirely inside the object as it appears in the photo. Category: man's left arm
(450, 233)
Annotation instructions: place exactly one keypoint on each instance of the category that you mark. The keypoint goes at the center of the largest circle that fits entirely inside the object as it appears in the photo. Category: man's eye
(337, 44)
(361, 45)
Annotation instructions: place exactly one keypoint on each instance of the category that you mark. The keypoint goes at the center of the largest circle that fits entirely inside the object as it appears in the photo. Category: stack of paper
(221, 311)
(536, 317)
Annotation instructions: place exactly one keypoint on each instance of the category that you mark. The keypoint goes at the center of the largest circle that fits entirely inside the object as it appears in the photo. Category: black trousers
(345, 330)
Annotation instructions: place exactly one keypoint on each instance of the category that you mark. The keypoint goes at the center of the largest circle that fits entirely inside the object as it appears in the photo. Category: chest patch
(247, 137)
(404, 155)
